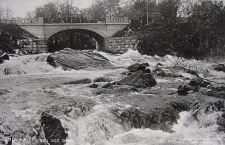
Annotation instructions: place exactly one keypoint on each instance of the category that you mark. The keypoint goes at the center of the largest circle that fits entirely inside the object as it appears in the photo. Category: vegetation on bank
(9, 34)
(196, 31)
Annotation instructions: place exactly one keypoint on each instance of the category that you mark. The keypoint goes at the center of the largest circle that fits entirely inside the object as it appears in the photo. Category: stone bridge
(100, 31)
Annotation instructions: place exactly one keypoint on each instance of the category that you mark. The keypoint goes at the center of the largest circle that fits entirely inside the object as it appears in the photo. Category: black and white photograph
(112, 72)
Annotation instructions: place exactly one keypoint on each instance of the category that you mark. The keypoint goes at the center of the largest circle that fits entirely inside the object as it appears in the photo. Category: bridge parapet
(29, 21)
(117, 20)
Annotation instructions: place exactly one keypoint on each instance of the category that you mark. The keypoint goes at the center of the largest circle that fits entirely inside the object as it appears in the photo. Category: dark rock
(53, 129)
(145, 64)
(196, 81)
(159, 72)
(142, 68)
(2, 92)
(147, 71)
(82, 81)
(205, 84)
(73, 59)
(173, 75)
(219, 67)
(3, 57)
(109, 85)
(137, 66)
(219, 88)
(138, 79)
(220, 128)
(101, 79)
(223, 115)
(93, 86)
(159, 64)
(221, 121)
(183, 90)
(216, 106)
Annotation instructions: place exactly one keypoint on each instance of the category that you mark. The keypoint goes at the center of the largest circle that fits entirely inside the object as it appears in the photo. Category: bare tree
(8, 13)
(31, 14)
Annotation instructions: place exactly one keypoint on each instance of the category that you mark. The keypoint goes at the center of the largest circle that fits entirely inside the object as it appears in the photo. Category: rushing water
(101, 126)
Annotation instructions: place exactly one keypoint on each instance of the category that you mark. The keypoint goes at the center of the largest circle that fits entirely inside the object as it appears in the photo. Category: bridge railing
(40, 21)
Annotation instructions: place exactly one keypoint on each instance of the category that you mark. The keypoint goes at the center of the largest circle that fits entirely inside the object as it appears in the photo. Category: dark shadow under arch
(100, 39)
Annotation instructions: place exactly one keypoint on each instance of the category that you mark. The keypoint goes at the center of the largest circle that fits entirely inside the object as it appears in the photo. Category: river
(35, 86)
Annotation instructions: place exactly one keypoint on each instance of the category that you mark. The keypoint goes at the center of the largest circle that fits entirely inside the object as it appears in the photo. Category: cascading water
(101, 126)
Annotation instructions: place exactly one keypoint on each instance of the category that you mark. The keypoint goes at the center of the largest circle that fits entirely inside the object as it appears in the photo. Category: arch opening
(78, 39)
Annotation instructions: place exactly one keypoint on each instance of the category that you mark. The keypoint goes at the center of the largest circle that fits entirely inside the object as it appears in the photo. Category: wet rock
(220, 128)
(205, 84)
(219, 88)
(219, 67)
(159, 72)
(2, 92)
(13, 71)
(138, 79)
(173, 75)
(53, 129)
(108, 85)
(137, 66)
(221, 121)
(142, 68)
(82, 81)
(148, 71)
(215, 105)
(223, 115)
(93, 86)
(102, 79)
(73, 59)
(215, 91)
(183, 90)
(3, 57)
(196, 81)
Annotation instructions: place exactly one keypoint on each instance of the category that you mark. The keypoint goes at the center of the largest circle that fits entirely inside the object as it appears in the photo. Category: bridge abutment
(119, 44)
(33, 46)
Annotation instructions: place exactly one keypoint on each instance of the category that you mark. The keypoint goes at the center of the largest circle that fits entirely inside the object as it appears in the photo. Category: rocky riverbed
(127, 99)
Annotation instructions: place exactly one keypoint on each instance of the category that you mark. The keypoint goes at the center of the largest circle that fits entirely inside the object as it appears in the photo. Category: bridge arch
(76, 28)
(97, 35)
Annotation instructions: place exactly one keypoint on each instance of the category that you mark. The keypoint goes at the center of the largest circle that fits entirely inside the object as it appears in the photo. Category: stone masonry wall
(120, 44)
(33, 46)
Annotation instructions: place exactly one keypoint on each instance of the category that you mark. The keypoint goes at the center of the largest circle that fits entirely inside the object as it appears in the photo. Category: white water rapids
(101, 127)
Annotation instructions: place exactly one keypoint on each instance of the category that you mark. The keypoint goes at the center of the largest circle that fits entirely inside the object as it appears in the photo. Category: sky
(21, 7)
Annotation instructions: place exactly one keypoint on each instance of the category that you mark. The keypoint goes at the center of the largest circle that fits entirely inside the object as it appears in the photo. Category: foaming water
(103, 128)
(28, 64)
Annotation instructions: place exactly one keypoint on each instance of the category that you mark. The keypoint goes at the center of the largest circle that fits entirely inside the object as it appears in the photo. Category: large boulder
(137, 66)
(54, 132)
(74, 59)
(138, 79)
